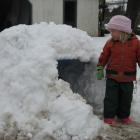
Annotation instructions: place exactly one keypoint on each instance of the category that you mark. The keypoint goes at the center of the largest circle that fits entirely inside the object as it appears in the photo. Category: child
(120, 55)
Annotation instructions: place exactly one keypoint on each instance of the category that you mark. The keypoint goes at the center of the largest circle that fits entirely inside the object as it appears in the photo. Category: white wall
(52, 10)
(87, 16)
(47, 10)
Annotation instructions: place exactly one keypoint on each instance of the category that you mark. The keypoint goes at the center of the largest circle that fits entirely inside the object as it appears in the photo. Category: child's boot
(126, 121)
(110, 121)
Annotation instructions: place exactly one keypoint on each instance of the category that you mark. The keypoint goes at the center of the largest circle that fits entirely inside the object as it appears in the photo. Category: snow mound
(34, 104)
(136, 98)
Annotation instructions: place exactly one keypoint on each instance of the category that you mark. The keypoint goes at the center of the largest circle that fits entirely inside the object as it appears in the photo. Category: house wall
(47, 10)
(87, 16)
(52, 10)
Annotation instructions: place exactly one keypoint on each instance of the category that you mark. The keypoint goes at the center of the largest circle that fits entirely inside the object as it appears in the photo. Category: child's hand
(99, 72)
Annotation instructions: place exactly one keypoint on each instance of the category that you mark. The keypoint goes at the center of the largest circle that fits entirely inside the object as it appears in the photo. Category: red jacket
(120, 59)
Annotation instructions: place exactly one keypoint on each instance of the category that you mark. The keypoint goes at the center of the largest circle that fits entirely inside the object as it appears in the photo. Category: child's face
(115, 34)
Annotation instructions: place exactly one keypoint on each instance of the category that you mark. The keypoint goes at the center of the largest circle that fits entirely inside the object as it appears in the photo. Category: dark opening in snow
(81, 76)
(70, 71)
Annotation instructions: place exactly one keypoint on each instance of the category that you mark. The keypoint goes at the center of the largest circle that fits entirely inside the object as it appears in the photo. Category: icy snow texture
(136, 99)
(33, 103)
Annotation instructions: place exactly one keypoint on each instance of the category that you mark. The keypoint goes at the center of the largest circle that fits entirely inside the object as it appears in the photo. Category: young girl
(120, 55)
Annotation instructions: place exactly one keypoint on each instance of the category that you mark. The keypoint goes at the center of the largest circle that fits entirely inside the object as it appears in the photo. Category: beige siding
(87, 17)
(47, 10)
(52, 10)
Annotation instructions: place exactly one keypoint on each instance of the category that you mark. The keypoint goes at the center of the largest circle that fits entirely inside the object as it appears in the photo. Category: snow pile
(34, 104)
(136, 98)
(68, 42)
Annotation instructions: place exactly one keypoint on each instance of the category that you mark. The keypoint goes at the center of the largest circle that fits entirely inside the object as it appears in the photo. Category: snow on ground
(136, 98)
(34, 104)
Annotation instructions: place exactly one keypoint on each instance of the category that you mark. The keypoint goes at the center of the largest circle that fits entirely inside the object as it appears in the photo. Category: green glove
(100, 72)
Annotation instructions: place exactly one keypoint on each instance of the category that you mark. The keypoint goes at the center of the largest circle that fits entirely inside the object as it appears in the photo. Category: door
(70, 12)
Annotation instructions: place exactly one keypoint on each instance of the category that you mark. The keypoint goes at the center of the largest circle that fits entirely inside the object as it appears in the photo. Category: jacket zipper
(122, 56)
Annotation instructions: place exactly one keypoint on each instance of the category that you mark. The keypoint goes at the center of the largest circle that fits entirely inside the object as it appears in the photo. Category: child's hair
(124, 37)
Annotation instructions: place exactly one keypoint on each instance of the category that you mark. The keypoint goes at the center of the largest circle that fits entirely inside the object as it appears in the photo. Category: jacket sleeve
(105, 55)
(138, 53)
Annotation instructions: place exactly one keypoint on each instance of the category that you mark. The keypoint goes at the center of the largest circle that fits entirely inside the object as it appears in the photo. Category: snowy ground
(121, 132)
(34, 104)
